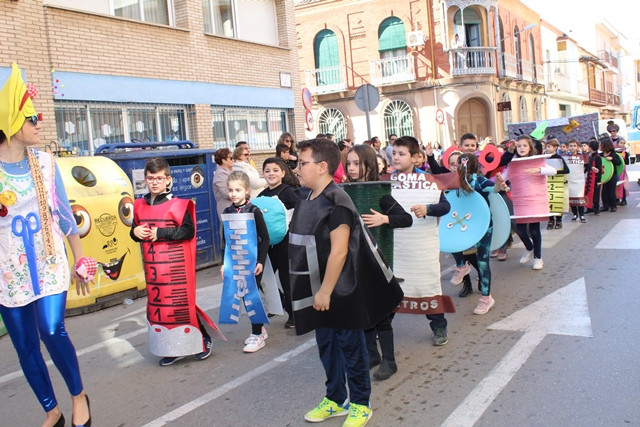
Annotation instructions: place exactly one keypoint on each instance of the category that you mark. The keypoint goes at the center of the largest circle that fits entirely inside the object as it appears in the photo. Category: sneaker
(264, 335)
(460, 273)
(502, 254)
(326, 409)
(538, 264)
(166, 361)
(255, 343)
(596, 213)
(440, 337)
(290, 323)
(359, 415)
(528, 256)
(575, 218)
(558, 225)
(583, 219)
(207, 349)
(550, 225)
(484, 304)
(494, 254)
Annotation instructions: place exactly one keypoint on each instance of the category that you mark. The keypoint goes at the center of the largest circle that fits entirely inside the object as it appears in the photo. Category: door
(472, 118)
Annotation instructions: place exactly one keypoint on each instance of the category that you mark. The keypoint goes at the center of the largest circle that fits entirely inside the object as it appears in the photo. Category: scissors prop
(26, 228)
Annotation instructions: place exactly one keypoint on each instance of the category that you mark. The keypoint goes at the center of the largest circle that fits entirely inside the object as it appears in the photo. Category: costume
(170, 272)
(592, 184)
(34, 216)
(576, 179)
(247, 244)
(609, 187)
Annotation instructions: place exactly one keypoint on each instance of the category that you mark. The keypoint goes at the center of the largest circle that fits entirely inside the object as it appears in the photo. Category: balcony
(326, 80)
(472, 60)
(563, 83)
(609, 58)
(597, 97)
(510, 66)
(613, 99)
(399, 69)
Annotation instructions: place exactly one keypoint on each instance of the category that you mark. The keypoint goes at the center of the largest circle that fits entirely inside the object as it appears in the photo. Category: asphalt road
(565, 352)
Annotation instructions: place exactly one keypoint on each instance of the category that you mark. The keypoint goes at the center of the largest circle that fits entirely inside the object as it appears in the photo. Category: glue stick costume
(35, 216)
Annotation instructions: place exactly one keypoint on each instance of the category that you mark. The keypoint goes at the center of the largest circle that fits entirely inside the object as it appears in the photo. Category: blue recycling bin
(192, 171)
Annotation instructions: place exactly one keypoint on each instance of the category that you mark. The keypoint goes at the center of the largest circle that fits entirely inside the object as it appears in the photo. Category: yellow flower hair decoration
(15, 103)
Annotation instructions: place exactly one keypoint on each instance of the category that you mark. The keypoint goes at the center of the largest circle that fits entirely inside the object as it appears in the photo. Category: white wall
(96, 6)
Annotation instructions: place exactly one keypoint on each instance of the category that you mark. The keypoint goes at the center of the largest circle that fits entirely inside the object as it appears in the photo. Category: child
(345, 290)
(405, 153)
(165, 226)
(275, 171)
(609, 188)
(239, 193)
(361, 167)
(420, 161)
(471, 180)
(282, 151)
(594, 165)
(382, 164)
(530, 233)
(551, 147)
(575, 161)
(564, 149)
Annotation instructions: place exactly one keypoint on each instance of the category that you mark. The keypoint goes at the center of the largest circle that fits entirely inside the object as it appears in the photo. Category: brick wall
(43, 38)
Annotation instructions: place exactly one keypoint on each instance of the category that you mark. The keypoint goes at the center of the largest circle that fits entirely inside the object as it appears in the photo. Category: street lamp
(528, 27)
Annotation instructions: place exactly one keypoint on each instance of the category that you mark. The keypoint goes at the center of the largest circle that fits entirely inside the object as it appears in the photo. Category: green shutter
(391, 35)
(325, 47)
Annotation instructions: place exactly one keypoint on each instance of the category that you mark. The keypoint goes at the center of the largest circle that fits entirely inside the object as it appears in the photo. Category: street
(558, 348)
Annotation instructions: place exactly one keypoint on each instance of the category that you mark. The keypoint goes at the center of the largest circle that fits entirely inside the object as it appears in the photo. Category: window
(506, 115)
(398, 119)
(332, 121)
(218, 17)
(518, 49)
(524, 110)
(467, 26)
(257, 21)
(537, 110)
(85, 126)
(565, 110)
(392, 44)
(325, 47)
(260, 127)
(156, 11)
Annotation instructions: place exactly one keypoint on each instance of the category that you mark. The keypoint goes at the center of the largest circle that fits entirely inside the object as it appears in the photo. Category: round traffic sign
(308, 118)
(307, 100)
(367, 97)
(440, 116)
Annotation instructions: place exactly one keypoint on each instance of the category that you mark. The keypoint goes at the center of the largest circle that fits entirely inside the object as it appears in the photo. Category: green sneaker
(359, 415)
(326, 409)
(440, 336)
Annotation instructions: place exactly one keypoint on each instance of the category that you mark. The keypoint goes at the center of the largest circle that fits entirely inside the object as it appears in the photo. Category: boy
(564, 149)
(339, 283)
(468, 144)
(165, 226)
(556, 182)
(282, 151)
(576, 161)
(594, 174)
(426, 278)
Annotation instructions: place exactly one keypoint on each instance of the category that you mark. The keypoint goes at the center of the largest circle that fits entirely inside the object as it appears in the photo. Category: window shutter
(391, 35)
(256, 20)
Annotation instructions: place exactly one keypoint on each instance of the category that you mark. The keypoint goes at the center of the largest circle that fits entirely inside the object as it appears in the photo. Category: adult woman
(225, 166)
(34, 216)
(287, 139)
(241, 163)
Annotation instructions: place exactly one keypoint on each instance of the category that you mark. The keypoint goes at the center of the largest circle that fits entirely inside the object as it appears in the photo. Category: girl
(239, 192)
(275, 172)
(530, 233)
(421, 162)
(609, 188)
(471, 180)
(362, 166)
(382, 164)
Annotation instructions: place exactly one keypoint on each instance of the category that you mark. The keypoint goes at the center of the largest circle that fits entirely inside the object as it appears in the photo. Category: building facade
(109, 71)
(441, 67)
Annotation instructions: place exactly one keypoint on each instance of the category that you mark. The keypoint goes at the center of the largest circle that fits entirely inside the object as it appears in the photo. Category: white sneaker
(264, 335)
(484, 305)
(255, 343)
(528, 256)
(538, 264)
(459, 274)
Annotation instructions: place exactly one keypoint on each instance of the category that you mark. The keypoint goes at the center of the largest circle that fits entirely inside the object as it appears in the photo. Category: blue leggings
(43, 319)
(482, 253)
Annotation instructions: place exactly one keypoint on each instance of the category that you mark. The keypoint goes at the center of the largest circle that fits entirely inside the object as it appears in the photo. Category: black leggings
(609, 193)
(531, 237)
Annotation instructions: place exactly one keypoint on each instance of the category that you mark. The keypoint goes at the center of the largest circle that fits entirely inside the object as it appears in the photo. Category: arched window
(507, 117)
(532, 56)
(502, 48)
(398, 119)
(537, 110)
(392, 40)
(518, 50)
(467, 25)
(325, 48)
(524, 110)
(332, 121)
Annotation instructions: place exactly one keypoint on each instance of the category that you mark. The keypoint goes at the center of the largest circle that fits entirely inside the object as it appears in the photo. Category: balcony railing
(564, 83)
(523, 70)
(472, 60)
(399, 69)
(609, 57)
(326, 80)
(597, 96)
(510, 66)
(613, 99)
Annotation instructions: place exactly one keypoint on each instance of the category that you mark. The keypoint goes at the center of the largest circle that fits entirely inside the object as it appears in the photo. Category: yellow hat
(15, 103)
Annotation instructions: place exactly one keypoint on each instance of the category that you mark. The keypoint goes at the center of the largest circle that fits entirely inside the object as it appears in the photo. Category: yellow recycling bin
(101, 199)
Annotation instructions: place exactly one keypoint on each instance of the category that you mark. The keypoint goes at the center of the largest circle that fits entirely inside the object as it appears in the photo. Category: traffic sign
(440, 116)
(308, 118)
(367, 97)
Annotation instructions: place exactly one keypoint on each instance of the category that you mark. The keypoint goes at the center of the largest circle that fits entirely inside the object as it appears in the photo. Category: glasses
(155, 178)
(35, 119)
(288, 140)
